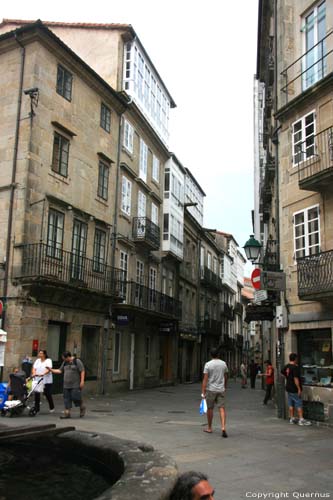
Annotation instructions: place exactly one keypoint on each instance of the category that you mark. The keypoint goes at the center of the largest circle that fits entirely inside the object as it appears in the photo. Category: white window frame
(153, 278)
(126, 195)
(117, 369)
(156, 169)
(128, 136)
(315, 74)
(140, 272)
(306, 233)
(154, 213)
(303, 138)
(209, 260)
(143, 166)
(142, 204)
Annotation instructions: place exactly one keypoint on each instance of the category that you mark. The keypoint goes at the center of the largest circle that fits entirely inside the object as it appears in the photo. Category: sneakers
(293, 420)
(51, 411)
(302, 421)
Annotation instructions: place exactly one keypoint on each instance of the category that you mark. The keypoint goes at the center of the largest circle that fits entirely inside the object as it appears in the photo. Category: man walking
(214, 385)
(74, 372)
(294, 389)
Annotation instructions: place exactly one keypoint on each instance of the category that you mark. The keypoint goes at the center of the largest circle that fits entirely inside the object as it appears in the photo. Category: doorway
(90, 350)
(55, 346)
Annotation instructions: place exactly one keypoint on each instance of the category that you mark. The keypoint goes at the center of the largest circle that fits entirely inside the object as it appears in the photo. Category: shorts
(294, 400)
(215, 398)
(72, 396)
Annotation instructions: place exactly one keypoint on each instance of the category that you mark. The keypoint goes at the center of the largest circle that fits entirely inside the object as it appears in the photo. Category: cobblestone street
(262, 454)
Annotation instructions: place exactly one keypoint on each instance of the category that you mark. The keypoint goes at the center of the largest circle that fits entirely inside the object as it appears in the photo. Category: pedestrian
(73, 370)
(294, 389)
(243, 371)
(269, 374)
(214, 385)
(192, 486)
(253, 373)
(41, 370)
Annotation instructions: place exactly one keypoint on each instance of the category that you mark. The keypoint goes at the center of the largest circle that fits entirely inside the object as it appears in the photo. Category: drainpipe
(12, 187)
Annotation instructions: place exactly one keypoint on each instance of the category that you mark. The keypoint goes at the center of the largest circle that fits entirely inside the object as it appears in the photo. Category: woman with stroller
(42, 368)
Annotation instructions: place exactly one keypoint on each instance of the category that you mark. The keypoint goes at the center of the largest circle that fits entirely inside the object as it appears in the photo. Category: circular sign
(255, 278)
(1, 307)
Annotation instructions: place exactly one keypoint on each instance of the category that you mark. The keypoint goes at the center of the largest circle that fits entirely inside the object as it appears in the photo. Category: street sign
(260, 296)
(273, 281)
(255, 279)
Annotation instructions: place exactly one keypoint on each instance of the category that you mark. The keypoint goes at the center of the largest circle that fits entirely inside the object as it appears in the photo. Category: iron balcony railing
(42, 261)
(145, 231)
(211, 326)
(209, 278)
(315, 275)
(315, 158)
(227, 311)
(308, 69)
(143, 297)
(238, 308)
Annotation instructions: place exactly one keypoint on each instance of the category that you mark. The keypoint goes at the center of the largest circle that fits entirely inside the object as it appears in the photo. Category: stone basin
(72, 464)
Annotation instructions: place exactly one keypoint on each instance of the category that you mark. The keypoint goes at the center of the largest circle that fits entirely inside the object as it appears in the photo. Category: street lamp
(252, 249)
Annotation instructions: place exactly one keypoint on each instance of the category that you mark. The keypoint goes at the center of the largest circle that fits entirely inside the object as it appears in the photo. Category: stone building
(295, 69)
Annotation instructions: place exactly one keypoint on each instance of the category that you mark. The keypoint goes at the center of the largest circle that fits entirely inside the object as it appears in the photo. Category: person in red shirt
(269, 374)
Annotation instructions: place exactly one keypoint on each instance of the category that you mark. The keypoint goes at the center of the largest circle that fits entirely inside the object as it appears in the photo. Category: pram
(21, 395)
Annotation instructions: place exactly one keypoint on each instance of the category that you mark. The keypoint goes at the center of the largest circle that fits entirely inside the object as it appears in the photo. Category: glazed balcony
(311, 69)
(210, 279)
(315, 168)
(145, 233)
(145, 298)
(45, 264)
(315, 276)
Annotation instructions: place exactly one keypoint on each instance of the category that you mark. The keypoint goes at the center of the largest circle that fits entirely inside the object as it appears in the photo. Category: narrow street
(262, 454)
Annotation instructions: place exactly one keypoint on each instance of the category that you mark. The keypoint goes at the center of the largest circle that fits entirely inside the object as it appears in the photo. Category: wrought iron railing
(144, 230)
(238, 308)
(316, 159)
(227, 311)
(315, 275)
(308, 69)
(211, 326)
(208, 277)
(143, 297)
(42, 261)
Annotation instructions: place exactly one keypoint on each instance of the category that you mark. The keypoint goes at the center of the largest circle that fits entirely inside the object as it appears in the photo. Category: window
(143, 160)
(209, 260)
(64, 83)
(139, 291)
(128, 136)
(99, 251)
(60, 155)
(152, 278)
(126, 193)
(123, 264)
(167, 183)
(79, 245)
(303, 138)
(116, 352)
(156, 169)
(314, 60)
(164, 280)
(315, 353)
(154, 213)
(165, 226)
(215, 265)
(202, 256)
(171, 281)
(307, 232)
(142, 204)
(105, 118)
(147, 353)
(103, 180)
(140, 272)
(55, 234)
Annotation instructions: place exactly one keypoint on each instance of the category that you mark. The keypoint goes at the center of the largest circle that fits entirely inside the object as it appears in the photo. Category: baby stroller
(21, 395)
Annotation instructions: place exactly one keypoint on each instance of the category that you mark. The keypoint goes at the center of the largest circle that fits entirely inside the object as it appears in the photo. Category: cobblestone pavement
(263, 454)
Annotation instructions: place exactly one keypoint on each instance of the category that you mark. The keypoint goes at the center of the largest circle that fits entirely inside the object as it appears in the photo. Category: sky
(205, 53)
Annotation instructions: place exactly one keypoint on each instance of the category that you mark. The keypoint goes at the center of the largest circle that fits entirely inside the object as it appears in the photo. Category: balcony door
(142, 211)
(55, 346)
(79, 245)
(314, 61)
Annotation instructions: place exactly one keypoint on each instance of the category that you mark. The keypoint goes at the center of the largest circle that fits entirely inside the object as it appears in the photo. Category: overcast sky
(206, 54)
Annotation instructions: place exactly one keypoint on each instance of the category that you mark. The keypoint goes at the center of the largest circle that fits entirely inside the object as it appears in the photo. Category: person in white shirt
(42, 368)
(214, 385)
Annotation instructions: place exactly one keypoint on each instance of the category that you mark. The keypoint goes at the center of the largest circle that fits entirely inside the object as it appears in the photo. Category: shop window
(315, 357)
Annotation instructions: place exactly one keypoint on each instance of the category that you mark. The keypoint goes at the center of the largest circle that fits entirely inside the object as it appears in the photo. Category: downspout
(13, 186)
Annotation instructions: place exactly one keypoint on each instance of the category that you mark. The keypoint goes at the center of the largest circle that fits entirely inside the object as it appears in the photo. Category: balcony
(227, 343)
(143, 297)
(310, 69)
(146, 233)
(43, 263)
(239, 341)
(315, 170)
(211, 327)
(238, 308)
(210, 279)
(227, 311)
(315, 276)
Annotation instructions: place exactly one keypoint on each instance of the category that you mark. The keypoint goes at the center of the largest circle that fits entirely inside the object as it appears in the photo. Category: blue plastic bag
(203, 407)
